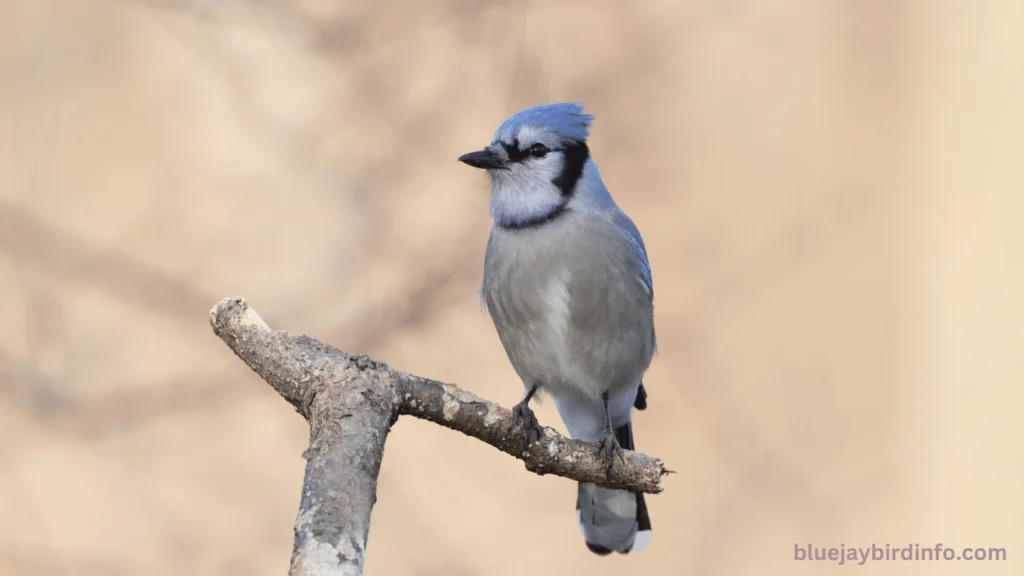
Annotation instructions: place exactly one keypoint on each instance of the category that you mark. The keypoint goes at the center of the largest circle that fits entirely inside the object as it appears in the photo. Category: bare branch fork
(351, 403)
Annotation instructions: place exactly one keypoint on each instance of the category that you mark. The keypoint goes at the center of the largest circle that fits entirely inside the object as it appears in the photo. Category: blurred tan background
(830, 193)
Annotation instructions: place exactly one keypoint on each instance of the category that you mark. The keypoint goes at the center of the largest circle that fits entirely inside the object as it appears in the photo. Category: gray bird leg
(607, 443)
(523, 415)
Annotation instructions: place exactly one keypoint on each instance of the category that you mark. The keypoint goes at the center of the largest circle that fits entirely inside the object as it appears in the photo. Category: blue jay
(568, 287)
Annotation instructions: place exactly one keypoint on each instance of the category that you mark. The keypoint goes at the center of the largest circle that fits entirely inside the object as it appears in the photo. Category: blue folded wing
(640, 251)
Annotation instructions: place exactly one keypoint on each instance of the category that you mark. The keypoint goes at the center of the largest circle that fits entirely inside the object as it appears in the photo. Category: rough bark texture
(455, 408)
(351, 402)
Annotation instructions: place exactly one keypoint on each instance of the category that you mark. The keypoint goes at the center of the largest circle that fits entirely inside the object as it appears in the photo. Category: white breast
(556, 300)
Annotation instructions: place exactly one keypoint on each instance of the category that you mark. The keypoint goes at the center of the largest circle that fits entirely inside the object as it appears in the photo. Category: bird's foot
(522, 415)
(608, 446)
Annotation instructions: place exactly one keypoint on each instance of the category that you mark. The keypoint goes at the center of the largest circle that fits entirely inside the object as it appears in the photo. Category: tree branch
(351, 402)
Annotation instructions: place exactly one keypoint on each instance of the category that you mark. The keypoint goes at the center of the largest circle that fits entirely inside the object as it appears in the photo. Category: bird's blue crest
(565, 119)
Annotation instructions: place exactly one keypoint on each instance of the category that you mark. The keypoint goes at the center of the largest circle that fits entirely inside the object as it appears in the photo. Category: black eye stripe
(515, 154)
(513, 151)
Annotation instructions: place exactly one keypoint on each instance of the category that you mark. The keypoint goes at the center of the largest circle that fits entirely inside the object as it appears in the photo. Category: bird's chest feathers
(530, 287)
(554, 300)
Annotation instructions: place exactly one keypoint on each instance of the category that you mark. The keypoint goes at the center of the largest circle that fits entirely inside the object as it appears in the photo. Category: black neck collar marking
(537, 220)
(576, 155)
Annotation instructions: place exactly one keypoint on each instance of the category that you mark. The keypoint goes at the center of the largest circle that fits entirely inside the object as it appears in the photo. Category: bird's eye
(538, 150)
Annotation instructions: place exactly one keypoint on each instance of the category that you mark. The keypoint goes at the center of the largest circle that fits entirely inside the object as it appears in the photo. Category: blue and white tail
(613, 520)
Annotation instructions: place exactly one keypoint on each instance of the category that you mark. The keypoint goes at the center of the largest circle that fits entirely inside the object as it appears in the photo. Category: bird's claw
(523, 416)
(609, 447)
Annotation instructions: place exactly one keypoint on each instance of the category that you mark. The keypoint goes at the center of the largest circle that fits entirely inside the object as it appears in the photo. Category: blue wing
(639, 249)
(640, 403)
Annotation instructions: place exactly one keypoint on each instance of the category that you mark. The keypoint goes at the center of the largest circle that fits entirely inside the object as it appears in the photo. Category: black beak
(487, 159)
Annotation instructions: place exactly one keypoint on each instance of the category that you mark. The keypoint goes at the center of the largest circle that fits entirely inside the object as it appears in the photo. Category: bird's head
(535, 161)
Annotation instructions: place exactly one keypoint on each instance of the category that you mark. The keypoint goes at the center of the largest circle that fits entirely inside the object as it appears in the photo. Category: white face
(526, 189)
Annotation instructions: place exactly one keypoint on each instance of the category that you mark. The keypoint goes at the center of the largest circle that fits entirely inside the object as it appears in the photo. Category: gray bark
(351, 402)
